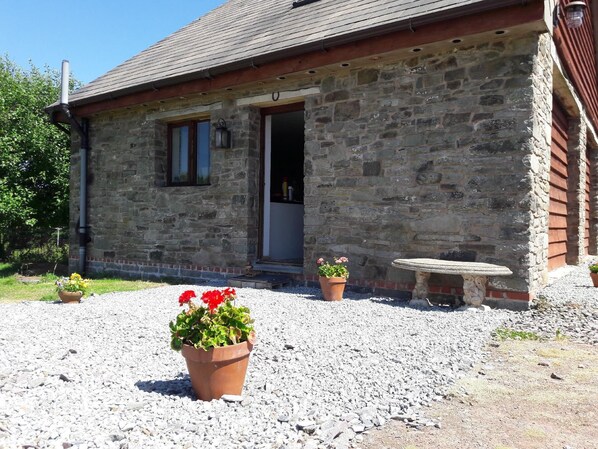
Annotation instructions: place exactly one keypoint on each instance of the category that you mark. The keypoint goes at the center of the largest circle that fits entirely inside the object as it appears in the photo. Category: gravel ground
(568, 305)
(100, 374)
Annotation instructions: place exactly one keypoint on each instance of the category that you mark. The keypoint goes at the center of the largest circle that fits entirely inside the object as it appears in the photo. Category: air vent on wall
(298, 3)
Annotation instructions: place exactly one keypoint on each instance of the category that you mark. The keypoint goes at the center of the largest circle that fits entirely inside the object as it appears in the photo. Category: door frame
(265, 112)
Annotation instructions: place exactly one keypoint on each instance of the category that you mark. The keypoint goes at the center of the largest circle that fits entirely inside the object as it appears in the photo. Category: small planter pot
(217, 371)
(594, 277)
(69, 297)
(332, 288)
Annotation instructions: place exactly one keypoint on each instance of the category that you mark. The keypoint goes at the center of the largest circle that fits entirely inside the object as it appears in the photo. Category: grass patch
(7, 269)
(101, 286)
(12, 289)
(503, 333)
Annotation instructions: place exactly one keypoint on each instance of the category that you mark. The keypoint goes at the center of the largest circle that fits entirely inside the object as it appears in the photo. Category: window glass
(189, 153)
(180, 154)
(203, 152)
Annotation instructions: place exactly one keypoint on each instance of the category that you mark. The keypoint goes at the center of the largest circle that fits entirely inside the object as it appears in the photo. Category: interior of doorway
(283, 190)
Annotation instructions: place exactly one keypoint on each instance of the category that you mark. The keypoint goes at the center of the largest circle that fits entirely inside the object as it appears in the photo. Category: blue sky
(94, 35)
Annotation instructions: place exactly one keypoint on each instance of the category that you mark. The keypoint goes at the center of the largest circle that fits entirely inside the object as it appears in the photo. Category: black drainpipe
(82, 128)
(83, 131)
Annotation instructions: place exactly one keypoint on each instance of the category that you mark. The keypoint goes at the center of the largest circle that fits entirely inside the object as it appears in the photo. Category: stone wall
(435, 156)
(537, 196)
(442, 155)
(134, 216)
(576, 191)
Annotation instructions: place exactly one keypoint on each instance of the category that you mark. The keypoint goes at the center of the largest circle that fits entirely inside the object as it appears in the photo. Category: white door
(282, 232)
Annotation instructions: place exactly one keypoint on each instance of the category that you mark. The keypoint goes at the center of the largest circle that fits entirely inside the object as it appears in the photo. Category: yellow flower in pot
(71, 289)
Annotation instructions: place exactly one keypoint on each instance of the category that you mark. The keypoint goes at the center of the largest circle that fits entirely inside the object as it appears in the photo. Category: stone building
(461, 130)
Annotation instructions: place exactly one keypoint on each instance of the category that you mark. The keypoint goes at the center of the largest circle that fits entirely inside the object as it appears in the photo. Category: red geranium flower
(186, 297)
(228, 292)
(213, 299)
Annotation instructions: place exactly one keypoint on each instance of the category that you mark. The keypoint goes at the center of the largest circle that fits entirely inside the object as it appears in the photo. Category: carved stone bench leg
(421, 285)
(419, 296)
(474, 290)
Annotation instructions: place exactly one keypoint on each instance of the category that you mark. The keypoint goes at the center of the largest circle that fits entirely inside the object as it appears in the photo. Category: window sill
(169, 186)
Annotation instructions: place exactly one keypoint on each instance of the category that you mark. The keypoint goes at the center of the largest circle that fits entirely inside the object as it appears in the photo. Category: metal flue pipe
(64, 83)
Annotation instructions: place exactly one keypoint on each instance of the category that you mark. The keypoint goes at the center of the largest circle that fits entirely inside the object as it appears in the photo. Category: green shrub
(49, 253)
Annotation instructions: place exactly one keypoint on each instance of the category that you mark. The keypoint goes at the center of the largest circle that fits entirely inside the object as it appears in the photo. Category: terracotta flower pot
(217, 371)
(594, 277)
(332, 288)
(69, 297)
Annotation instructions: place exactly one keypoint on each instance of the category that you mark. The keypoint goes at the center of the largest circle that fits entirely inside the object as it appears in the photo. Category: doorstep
(260, 281)
(265, 267)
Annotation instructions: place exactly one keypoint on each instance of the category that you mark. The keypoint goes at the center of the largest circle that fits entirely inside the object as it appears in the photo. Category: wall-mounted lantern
(222, 135)
(574, 12)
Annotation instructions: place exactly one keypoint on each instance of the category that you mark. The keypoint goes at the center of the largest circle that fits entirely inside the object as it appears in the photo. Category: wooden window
(189, 153)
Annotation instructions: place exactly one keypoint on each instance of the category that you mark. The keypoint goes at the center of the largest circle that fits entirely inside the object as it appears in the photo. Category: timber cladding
(587, 202)
(558, 221)
(577, 50)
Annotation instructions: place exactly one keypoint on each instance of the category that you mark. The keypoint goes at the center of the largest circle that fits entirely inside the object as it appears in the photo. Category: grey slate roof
(256, 30)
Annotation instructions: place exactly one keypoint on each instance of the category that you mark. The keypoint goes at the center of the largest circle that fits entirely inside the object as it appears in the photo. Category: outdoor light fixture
(222, 134)
(574, 12)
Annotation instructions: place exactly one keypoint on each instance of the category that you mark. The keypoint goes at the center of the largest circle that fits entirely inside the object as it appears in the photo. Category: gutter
(321, 45)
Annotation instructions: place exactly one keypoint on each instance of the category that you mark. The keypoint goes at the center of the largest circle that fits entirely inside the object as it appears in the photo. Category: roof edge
(323, 45)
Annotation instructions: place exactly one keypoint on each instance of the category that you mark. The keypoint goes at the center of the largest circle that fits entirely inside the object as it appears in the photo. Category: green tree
(34, 154)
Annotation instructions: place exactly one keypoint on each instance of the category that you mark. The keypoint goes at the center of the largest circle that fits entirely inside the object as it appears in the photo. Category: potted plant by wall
(333, 277)
(593, 267)
(72, 289)
(216, 339)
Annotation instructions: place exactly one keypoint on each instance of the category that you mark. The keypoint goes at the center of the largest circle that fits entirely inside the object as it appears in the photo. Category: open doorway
(283, 188)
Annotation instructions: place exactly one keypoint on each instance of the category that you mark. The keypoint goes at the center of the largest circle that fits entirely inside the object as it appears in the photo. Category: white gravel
(567, 307)
(100, 374)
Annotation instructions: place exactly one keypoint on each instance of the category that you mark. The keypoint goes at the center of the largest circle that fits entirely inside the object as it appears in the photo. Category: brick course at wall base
(156, 271)
(200, 274)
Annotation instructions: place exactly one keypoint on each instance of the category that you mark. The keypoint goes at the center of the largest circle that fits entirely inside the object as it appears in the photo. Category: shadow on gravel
(390, 302)
(316, 295)
(347, 296)
(404, 303)
(180, 387)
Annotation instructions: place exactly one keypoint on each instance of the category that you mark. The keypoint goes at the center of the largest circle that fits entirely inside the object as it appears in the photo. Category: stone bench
(474, 277)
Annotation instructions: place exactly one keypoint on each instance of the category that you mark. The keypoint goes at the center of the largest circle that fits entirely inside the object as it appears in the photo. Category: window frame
(192, 151)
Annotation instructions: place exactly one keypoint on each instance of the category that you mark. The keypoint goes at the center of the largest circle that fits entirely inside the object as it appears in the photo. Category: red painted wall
(577, 51)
